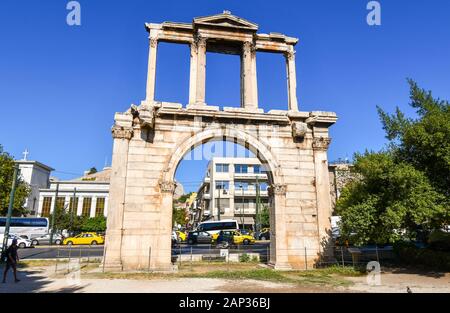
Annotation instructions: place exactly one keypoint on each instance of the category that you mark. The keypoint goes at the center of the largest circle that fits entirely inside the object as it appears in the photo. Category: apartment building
(229, 190)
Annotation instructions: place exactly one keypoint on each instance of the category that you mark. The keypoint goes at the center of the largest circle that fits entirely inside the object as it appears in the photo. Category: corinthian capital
(167, 186)
(321, 143)
(153, 42)
(200, 41)
(290, 55)
(277, 189)
(121, 132)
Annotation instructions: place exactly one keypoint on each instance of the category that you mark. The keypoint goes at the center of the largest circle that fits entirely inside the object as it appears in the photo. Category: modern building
(229, 191)
(87, 195)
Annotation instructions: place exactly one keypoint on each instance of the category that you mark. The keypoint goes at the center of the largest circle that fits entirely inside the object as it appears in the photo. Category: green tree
(423, 142)
(92, 170)
(388, 202)
(406, 187)
(6, 178)
(264, 216)
(178, 215)
(94, 224)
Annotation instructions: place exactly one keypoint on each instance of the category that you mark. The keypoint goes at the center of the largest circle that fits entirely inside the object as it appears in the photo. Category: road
(97, 251)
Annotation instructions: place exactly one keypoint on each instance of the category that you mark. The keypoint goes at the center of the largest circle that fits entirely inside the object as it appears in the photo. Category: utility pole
(10, 207)
(242, 207)
(218, 204)
(55, 207)
(257, 208)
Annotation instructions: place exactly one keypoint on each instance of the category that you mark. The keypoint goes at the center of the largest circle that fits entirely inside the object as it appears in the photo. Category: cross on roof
(25, 154)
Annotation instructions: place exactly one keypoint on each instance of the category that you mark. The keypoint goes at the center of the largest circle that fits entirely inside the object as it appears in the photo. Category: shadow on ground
(32, 281)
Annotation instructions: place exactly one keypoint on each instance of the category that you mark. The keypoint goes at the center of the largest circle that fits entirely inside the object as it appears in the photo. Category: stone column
(122, 136)
(160, 258)
(279, 251)
(291, 80)
(322, 183)
(201, 72)
(248, 76)
(193, 74)
(93, 207)
(151, 74)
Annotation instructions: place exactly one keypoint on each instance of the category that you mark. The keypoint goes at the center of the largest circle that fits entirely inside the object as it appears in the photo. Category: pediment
(225, 19)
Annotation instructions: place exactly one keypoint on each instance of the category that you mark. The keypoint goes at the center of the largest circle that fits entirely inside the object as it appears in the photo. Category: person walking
(12, 257)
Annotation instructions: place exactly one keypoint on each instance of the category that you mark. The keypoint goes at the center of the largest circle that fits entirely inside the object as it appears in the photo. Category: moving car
(238, 237)
(21, 242)
(199, 237)
(45, 240)
(85, 239)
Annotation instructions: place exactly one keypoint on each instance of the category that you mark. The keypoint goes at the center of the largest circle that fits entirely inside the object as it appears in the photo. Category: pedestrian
(12, 258)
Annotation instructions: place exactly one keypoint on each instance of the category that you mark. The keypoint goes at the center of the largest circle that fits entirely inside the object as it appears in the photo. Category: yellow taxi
(181, 236)
(238, 238)
(85, 239)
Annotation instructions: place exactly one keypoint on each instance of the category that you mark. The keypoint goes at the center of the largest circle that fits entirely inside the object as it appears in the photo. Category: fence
(184, 254)
(309, 258)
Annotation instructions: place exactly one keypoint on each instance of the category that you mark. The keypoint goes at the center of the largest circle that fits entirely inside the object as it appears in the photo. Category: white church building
(87, 195)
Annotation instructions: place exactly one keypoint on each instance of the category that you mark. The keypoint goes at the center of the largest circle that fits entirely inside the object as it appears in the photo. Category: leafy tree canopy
(6, 178)
(406, 187)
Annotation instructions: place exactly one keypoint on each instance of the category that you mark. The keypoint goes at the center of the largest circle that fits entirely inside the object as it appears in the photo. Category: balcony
(249, 193)
(250, 176)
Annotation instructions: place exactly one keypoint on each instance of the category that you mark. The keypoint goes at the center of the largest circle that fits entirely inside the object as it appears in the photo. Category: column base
(280, 266)
(112, 267)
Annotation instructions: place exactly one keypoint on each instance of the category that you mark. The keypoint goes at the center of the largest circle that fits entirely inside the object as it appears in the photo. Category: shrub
(244, 258)
(439, 240)
(409, 254)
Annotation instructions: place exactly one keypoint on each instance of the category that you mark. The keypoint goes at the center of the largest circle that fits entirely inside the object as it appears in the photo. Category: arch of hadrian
(152, 138)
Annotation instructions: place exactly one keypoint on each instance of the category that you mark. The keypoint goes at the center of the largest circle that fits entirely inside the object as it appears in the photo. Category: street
(48, 252)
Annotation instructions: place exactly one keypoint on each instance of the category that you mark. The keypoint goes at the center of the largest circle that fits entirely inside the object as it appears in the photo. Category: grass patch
(38, 263)
(256, 274)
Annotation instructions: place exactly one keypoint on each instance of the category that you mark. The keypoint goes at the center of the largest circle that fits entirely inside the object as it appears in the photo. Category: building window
(60, 203)
(222, 184)
(86, 207)
(73, 205)
(257, 169)
(46, 206)
(241, 168)
(223, 204)
(241, 185)
(244, 204)
(263, 186)
(100, 207)
(222, 168)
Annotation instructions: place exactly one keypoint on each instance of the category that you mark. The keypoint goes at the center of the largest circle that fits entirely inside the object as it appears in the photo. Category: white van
(214, 227)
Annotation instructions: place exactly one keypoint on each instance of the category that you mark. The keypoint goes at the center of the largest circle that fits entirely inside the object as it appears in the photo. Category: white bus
(29, 227)
(214, 227)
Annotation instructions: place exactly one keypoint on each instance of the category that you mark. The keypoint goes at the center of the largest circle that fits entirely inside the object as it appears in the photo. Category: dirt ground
(43, 279)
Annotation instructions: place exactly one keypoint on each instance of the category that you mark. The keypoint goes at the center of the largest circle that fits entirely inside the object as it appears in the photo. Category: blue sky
(60, 86)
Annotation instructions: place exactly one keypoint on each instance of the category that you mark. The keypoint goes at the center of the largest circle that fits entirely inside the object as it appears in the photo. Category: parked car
(264, 234)
(21, 242)
(199, 237)
(85, 239)
(45, 240)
